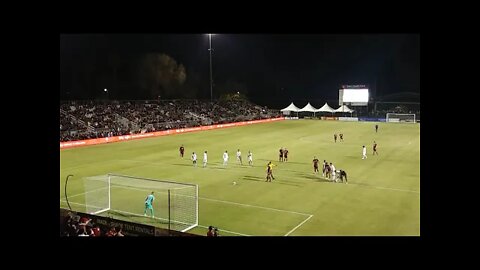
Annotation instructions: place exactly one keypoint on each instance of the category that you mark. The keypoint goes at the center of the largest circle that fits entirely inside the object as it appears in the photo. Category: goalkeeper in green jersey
(148, 204)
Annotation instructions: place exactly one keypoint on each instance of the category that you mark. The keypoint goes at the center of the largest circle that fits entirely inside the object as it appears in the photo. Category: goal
(400, 117)
(175, 205)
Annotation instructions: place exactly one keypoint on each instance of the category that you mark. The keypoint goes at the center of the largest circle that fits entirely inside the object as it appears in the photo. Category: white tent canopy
(290, 108)
(308, 108)
(326, 108)
(344, 108)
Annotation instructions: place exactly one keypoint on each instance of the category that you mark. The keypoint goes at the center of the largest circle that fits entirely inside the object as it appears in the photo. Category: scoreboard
(354, 95)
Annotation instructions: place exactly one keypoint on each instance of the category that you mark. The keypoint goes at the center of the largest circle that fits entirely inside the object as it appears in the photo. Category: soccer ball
(234, 183)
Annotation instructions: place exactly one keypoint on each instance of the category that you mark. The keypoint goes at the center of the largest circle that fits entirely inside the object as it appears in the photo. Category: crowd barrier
(351, 119)
(71, 144)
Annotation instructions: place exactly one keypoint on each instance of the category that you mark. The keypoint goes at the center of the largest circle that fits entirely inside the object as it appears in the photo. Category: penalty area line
(254, 206)
(76, 195)
(292, 230)
(385, 188)
(228, 202)
(241, 234)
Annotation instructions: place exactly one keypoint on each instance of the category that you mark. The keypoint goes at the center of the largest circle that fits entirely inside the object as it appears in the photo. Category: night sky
(281, 67)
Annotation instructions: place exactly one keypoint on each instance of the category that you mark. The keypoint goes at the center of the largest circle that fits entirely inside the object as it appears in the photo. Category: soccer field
(382, 196)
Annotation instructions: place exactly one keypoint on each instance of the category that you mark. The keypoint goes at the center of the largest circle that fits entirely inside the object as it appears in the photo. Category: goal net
(400, 117)
(175, 205)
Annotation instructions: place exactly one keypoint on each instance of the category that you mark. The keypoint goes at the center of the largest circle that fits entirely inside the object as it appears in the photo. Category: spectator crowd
(74, 225)
(89, 119)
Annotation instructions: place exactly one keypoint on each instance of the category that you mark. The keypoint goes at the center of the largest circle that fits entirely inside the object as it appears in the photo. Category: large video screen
(355, 95)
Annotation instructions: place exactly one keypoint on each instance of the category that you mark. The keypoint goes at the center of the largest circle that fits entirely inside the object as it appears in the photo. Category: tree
(161, 75)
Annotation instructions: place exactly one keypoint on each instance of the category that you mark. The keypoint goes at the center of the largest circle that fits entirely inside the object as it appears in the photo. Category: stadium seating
(89, 119)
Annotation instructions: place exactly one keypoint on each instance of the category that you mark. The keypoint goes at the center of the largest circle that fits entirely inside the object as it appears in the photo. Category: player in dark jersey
(375, 148)
(343, 175)
(182, 150)
(341, 137)
(328, 171)
(324, 167)
(335, 137)
(376, 128)
(285, 155)
(315, 165)
(280, 155)
(210, 231)
(269, 178)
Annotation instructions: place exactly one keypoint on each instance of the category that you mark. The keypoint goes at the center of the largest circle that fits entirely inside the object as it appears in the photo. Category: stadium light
(211, 80)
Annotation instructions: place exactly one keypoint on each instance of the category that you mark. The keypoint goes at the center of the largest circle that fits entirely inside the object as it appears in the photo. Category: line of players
(329, 171)
(225, 157)
(270, 165)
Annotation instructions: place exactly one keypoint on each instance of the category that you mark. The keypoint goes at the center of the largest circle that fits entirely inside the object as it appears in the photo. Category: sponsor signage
(71, 144)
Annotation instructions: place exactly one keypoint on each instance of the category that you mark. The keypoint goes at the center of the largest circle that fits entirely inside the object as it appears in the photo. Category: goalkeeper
(148, 204)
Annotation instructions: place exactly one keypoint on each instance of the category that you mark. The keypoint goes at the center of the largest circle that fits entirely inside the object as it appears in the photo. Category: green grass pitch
(382, 196)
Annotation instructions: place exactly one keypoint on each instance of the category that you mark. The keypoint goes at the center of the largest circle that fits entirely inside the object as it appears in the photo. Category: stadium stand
(97, 119)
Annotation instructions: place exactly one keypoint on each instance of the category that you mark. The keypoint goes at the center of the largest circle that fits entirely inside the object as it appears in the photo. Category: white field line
(76, 195)
(255, 206)
(99, 177)
(206, 227)
(298, 225)
(386, 188)
(226, 231)
(202, 226)
(374, 187)
(377, 187)
(80, 204)
(228, 202)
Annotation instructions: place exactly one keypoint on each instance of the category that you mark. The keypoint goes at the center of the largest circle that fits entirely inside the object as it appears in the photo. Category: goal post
(97, 194)
(400, 118)
(175, 206)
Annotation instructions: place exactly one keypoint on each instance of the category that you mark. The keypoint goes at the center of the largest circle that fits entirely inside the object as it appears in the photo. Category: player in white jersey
(239, 156)
(250, 158)
(205, 159)
(364, 152)
(194, 159)
(225, 158)
(333, 171)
